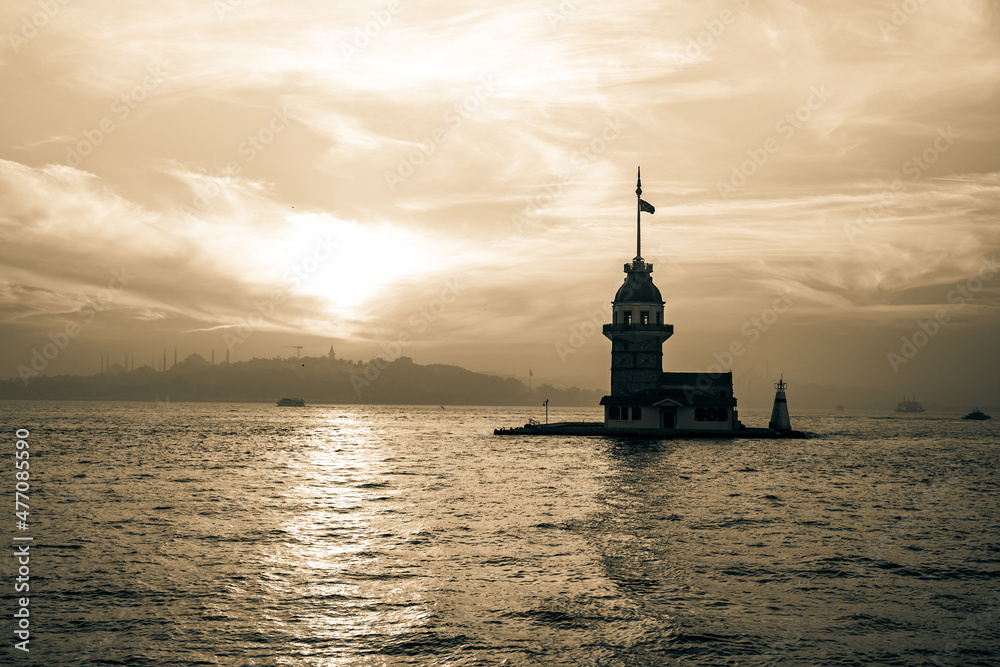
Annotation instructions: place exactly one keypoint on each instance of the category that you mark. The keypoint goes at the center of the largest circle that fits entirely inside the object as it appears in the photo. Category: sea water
(248, 534)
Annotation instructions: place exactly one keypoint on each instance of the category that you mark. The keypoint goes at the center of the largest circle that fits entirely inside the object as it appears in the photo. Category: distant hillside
(315, 379)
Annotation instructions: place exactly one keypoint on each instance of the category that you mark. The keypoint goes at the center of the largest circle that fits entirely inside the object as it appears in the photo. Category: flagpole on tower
(638, 212)
(640, 206)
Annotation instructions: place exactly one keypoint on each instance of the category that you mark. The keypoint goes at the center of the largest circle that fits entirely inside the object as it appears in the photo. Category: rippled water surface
(232, 534)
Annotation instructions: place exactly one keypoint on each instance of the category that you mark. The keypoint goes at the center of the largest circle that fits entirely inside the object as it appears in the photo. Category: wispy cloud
(274, 125)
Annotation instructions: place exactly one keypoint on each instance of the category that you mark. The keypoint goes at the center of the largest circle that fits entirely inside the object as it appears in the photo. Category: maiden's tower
(644, 400)
(643, 397)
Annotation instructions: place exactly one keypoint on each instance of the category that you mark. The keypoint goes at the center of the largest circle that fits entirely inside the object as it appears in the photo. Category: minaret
(779, 413)
(637, 330)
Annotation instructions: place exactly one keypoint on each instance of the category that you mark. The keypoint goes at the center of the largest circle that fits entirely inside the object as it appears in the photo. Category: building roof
(675, 396)
(698, 380)
(638, 286)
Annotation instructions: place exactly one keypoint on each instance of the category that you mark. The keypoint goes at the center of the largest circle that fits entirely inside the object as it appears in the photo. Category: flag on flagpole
(530, 374)
(646, 206)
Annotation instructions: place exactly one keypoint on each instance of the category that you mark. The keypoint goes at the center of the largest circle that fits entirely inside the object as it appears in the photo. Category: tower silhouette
(637, 330)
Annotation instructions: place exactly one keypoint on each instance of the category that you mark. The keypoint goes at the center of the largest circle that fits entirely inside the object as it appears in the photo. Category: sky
(455, 182)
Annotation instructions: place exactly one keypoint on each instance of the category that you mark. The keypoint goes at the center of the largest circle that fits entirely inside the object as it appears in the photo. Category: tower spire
(638, 211)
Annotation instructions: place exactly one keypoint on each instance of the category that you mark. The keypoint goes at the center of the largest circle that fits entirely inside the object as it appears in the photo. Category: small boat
(977, 415)
(292, 402)
(909, 406)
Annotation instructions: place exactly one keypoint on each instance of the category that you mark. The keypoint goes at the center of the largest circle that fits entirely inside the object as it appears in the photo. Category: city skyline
(457, 186)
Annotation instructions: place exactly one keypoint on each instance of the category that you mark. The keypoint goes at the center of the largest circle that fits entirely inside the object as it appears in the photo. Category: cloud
(432, 143)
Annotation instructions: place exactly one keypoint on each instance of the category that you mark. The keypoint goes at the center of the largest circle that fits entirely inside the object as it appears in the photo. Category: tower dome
(638, 285)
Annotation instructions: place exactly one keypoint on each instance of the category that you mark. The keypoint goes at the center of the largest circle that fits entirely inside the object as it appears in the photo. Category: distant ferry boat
(292, 402)
(977, 415)
(909, 406)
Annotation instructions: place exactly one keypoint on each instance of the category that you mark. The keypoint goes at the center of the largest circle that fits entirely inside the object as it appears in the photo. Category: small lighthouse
(779, 413)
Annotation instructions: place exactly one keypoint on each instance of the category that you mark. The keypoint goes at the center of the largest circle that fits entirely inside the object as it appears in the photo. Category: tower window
(614, 317)
(711, 414)
(628, 318)
(644, 317)
(657, 317)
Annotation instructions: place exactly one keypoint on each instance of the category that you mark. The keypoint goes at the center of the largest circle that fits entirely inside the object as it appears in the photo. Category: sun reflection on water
(349, 577)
